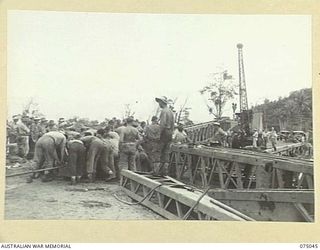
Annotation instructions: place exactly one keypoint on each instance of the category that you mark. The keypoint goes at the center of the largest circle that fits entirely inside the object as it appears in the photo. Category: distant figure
(52, 126)
(36, 131)
(273, 138)
(235, 143)
(260, 142)
(13, 129)
(265, 138)
(179, 135)
(23, 136)
(255, 138)
(219, 135)
(166, 131)
(141, 128)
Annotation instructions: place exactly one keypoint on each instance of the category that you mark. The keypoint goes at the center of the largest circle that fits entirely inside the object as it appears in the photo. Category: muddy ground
(59, 200)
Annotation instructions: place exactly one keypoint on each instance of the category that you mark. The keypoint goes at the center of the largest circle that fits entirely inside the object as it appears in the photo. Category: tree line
(288, 113)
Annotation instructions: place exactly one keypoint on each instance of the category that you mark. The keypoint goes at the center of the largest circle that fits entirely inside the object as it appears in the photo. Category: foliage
(183, 115)
(218, 92)
(128, 111)
(31, 108)
(292, 112)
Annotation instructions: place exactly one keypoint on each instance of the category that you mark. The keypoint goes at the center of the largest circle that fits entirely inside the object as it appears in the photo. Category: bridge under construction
(217, 183)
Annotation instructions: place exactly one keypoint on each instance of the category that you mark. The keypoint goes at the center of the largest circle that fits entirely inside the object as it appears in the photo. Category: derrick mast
(245, 114)
(242, 81)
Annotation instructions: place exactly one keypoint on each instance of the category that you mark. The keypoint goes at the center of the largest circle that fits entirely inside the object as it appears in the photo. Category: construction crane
(242, 81)
(244, 115)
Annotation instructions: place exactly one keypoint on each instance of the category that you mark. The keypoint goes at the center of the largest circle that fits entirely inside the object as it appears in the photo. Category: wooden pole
(34, 171)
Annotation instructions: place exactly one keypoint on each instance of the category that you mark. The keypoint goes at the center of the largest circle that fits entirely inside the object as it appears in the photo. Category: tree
(303, 104)
(128, 111)
(218, 92)
(182, 116)
(31, 108)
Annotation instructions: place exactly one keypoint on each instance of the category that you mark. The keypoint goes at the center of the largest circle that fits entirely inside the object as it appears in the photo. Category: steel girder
(174, 200)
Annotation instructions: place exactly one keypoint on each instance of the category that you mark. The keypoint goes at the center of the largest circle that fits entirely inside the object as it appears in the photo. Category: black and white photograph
(148, 116)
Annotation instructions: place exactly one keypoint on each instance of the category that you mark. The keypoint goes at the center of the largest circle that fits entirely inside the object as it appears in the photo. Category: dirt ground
(59, 200)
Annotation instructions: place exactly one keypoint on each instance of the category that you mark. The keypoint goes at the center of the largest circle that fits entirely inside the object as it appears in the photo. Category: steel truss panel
(233, 167)
(174, 200)
(203, 131)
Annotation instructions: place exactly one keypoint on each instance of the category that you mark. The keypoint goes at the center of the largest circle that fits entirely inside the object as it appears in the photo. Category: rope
(197, 202)
(139, 202)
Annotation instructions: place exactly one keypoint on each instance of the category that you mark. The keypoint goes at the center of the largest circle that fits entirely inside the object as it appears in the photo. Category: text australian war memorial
(254, 165)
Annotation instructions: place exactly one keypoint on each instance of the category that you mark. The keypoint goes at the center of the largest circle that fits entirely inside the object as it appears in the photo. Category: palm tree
(302, 103)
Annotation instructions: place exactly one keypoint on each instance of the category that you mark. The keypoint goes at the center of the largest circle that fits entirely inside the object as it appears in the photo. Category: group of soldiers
(105, 151)
(84, 153)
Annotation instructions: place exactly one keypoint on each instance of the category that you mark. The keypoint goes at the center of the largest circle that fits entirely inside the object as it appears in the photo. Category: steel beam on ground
(176, 198)
(270, 204)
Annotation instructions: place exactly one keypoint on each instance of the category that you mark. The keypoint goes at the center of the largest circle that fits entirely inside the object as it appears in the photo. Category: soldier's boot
(35, 175)
(46, 178)
(73, 180)
(165, 169)
(111, 175)
(29, 179)
(156, 168)
(91, 178)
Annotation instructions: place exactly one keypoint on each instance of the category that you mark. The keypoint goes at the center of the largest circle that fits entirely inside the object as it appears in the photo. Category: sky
(92, 64)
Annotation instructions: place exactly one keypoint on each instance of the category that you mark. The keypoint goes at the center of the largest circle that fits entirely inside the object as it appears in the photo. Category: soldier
(121, 127)
(151, 143)
(13, 129)
(255, 138)
(180, 136)
(23, 137)
(98, 151)
(51, 126)
(77, 157)
(36, 131)
(166, 131)
(273, 138)
(219, 135)
(114, 140)
(49, 152)
(62, 124)
(129, 136)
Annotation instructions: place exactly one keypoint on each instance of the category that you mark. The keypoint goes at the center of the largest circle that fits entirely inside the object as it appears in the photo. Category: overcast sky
(91, 64)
